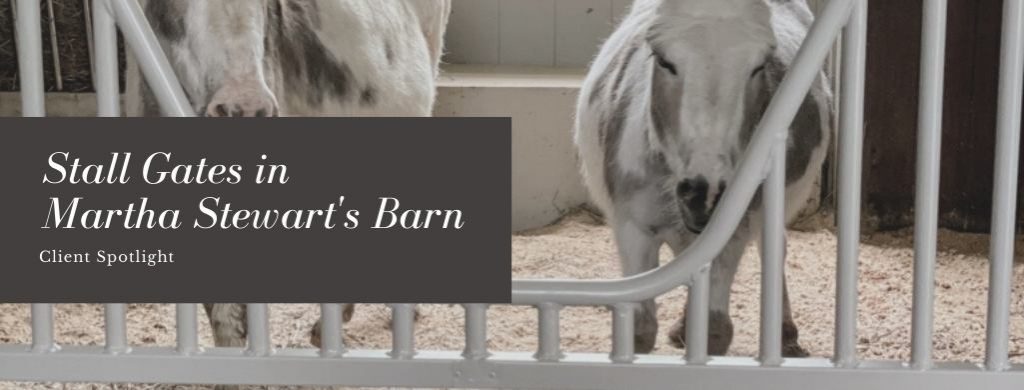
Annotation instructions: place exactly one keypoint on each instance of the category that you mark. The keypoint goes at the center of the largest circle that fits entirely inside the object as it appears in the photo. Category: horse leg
(638, 252)
(347, 310)
(790, 345)
(723, 272)
(228, 323)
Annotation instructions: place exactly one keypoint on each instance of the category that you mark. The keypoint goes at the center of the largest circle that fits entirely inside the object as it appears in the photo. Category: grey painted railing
(763, 166)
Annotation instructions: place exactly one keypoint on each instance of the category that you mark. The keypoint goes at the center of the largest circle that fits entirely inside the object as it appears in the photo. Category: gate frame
(763, 164)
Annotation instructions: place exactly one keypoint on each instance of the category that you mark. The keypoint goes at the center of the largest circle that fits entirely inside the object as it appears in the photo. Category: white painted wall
(563, 33)
(545, 180)
(559, 33)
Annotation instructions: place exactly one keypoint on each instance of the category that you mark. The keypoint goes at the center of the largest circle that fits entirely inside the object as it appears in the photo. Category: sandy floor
(580, 248)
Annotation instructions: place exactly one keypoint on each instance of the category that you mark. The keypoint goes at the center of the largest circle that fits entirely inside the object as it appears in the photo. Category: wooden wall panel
(968, 116)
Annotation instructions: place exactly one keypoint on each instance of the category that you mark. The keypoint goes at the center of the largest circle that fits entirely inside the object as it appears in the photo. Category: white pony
(664, 116)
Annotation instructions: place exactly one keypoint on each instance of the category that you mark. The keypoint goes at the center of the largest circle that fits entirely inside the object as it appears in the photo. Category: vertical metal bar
(773, 252)
(108, 99)
(54, 47)
(30, 59)
(929, 138)
(14, 19)
(697, 300)
(1004, 210)
(851, 151)
(115, 324)
(42, 328)
(476, 332)
(187, 328)
(87, 11)
(622, 332)
(258, 319)
(403, 316)
(550, 349)
(154, 64)
(331, 342)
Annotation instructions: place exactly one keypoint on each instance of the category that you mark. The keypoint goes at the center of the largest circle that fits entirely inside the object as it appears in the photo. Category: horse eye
(757, 71)
(665, 64)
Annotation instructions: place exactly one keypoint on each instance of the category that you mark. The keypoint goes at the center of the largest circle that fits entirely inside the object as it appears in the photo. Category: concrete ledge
(542, 104)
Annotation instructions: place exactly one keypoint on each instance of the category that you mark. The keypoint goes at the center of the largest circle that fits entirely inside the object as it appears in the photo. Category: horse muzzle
(694, 205)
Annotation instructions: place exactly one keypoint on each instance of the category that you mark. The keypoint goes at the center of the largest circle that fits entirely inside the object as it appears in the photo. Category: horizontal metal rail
(505, 370)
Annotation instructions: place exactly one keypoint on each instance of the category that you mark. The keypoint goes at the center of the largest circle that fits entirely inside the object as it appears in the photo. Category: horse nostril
(693, 200)
(684, 188)
(690, 189)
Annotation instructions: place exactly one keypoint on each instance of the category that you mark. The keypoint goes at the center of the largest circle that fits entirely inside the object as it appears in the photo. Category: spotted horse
(264, 58)
(664, 115)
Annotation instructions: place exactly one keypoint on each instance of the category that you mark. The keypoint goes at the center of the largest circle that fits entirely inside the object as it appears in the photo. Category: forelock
(699, 20)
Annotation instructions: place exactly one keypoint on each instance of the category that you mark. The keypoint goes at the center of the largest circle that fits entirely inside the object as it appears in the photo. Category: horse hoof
(347, 311)
(644, 343)
(794, 350)
(719, 334)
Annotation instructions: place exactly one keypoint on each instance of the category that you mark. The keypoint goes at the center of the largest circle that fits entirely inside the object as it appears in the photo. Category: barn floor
(580, 248)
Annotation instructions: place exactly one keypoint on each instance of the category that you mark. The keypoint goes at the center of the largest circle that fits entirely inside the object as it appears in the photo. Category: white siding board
(473, 32)
(580, 27)
(527, 35)
(620, 8)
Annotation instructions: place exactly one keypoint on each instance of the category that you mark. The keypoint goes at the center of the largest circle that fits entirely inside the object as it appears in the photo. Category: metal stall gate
(476, 366)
